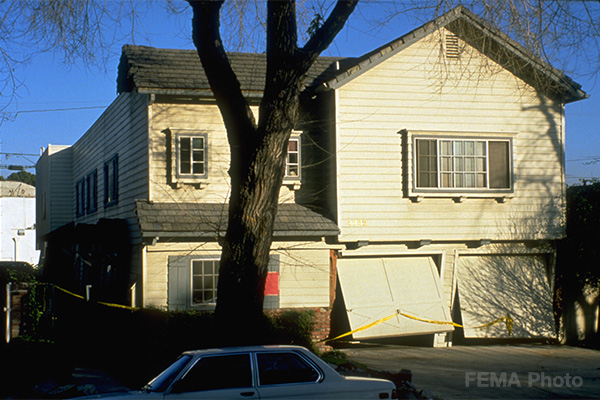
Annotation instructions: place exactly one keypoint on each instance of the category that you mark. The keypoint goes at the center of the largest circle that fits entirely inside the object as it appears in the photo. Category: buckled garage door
(491, 287)
(375, 287)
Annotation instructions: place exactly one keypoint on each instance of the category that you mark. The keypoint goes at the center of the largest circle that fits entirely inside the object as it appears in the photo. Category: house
(425, 183)
(17, 222)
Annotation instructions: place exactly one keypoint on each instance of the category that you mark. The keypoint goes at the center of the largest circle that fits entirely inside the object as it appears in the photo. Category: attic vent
(452, 50)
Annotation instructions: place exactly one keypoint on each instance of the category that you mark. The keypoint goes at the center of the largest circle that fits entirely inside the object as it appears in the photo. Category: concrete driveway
(491, 372)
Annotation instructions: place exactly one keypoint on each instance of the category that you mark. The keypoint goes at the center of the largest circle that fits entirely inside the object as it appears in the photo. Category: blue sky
(58, 102)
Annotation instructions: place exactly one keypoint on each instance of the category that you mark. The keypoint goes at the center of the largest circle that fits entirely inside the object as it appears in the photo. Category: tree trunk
(258, 151)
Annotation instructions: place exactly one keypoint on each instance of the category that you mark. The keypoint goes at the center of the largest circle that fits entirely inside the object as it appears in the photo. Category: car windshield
(162, 381)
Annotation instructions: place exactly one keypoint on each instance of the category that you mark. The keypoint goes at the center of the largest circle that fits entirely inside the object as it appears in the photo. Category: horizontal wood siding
(195, 118)
(417, 90)
(303, 271)
(55, 182)
(122, 130)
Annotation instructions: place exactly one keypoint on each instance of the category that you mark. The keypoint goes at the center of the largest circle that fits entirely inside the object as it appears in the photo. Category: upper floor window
(80, 198)
(191, 155)
(189, 162)
(292, 162)
(91, 192)
(463, 164)
(86, 194)
(111, 181)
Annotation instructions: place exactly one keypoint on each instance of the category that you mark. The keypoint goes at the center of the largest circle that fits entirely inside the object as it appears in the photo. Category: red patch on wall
(272, 284)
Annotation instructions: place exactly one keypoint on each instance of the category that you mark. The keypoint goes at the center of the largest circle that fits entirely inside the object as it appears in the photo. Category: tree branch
(221, 77)
(329, 30)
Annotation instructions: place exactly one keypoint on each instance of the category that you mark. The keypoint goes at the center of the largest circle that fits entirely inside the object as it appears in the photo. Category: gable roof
(202, 220)
(485, 38)
(179, 72)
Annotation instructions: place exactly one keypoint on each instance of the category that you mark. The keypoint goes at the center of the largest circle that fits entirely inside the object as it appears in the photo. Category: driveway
(491, 372)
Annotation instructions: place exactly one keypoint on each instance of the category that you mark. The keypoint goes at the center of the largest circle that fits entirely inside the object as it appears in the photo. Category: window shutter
(499, 165)
(179, 288)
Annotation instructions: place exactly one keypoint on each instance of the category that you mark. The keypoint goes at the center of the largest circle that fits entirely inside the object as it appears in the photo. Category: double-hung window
(80, 198)
(462, 164)
(111, 181)
(91, 192)
(292, 162)
(189, 157)
(205, 276)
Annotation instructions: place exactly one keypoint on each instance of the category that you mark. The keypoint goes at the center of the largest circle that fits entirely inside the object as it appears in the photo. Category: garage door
(490, 287)
(375, 287)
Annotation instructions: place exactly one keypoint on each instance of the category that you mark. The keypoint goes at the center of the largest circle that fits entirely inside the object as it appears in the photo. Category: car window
(217, 372)
(280, 368)
(162, 381)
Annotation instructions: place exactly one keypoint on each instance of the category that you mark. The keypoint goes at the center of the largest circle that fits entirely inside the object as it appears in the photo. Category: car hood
(132, 394)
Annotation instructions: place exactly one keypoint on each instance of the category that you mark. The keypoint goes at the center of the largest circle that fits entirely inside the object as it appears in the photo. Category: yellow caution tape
(506, 319)
(362, 328)
(99, 302)
(68, 292)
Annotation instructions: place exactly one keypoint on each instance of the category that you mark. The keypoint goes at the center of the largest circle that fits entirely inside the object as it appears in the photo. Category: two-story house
(425, 181)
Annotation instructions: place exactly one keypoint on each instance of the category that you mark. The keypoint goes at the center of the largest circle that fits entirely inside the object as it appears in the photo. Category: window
(282, 368)
(80, 198)
(189, 162)
(192, 155)
(292, 163)
(193, 279)
(91, 192)
(111, 183)
(466, 164)
(217, 372)
(205, 276)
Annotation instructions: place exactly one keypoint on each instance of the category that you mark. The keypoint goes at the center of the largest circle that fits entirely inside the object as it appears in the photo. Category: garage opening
(495, 286)
(377, 287)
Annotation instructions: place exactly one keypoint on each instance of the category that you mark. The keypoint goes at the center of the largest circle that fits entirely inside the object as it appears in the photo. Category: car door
(227, 376)
(288, 374)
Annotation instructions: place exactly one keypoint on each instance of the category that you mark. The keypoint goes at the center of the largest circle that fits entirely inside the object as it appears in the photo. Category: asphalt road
(491, 372)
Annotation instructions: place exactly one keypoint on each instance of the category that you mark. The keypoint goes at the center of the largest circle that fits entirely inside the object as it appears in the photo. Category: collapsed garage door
(375, 287)
(491, 287)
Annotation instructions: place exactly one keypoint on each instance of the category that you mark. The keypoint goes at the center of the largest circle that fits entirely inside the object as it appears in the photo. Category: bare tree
(258, 148)
(81, 29)
(564, 33)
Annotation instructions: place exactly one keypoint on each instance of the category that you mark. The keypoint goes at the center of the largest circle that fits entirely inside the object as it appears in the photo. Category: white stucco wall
(17, 223)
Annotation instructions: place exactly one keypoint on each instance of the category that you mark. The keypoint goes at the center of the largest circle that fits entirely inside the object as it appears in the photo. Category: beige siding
(54, 189)
(198, 118)
(303, 271)
(303, 275)
(417, 91)
(122, 130)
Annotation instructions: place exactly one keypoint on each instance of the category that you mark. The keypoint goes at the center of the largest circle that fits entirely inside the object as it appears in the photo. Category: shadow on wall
(98, 255)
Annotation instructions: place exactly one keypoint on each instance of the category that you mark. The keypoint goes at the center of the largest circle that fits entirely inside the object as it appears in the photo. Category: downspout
(7, 310)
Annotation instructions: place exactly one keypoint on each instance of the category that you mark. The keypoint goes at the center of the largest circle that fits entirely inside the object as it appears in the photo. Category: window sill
(292, 185)
(180, 183)
(461, 197)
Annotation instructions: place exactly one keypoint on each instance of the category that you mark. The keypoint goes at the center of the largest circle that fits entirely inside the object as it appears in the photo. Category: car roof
(220, 350)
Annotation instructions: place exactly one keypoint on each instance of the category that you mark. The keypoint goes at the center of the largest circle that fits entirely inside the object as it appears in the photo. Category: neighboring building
(17, 222)
(425, 177)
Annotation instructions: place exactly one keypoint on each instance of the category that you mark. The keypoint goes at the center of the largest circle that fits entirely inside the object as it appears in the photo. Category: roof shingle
(210, 220)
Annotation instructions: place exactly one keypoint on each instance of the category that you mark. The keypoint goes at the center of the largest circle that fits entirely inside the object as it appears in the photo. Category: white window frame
(293, 181)
(417, 192)
(178, 177)
(215, 275)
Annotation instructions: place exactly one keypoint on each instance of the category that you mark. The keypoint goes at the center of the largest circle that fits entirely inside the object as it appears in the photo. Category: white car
(257, 372)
